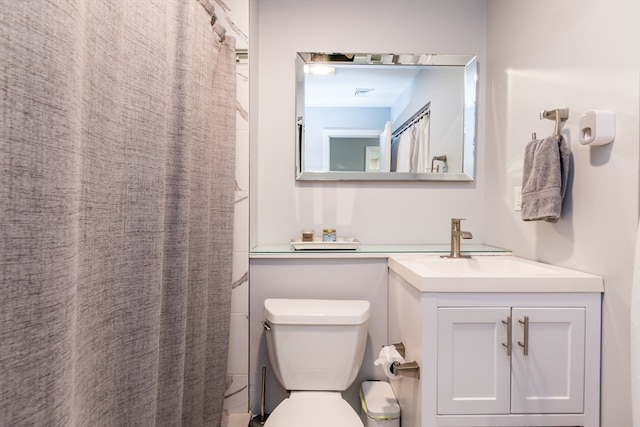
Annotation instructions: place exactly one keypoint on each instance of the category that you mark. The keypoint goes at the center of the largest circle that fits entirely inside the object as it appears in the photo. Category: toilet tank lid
(316, 311)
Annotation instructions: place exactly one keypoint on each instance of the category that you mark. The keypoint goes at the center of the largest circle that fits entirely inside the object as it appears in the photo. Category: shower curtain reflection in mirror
(410, 149)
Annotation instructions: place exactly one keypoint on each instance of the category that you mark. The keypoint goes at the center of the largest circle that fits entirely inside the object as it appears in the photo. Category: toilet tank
(316, 344)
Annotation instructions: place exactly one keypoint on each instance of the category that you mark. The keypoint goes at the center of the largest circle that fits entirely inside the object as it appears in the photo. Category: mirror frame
(468, 62)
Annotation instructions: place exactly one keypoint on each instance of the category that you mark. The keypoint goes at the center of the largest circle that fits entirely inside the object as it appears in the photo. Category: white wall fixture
(597, 127)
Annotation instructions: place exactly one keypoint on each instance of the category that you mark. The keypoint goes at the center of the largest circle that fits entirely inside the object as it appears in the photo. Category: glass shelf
(370, 250)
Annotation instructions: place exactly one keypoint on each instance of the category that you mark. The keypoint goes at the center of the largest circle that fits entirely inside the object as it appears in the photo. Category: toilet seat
(314, 409)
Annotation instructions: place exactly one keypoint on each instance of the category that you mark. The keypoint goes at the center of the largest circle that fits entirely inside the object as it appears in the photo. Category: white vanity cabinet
(470, 344)
(504, 360)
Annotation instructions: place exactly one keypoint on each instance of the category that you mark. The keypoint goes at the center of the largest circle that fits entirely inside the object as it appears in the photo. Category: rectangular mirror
(367, 116)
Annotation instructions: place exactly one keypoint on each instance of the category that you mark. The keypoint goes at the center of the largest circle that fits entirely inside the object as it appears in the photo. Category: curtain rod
(424, 111)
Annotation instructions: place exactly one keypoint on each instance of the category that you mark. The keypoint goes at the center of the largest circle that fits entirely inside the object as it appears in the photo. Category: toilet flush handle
(267, 326)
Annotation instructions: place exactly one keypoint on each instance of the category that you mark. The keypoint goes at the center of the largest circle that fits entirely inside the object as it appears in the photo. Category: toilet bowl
(315, 348)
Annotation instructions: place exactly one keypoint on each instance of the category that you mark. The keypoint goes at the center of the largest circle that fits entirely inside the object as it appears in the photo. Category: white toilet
(315, 348)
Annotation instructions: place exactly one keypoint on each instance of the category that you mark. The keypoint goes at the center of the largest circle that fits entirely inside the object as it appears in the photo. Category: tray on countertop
(341, 243)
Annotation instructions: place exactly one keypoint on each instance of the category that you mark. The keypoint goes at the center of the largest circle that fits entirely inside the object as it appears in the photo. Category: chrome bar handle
(525, 345)
(267, 326)
(509, 324)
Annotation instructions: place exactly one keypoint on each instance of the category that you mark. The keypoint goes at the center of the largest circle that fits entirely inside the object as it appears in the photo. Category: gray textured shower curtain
(116, 195)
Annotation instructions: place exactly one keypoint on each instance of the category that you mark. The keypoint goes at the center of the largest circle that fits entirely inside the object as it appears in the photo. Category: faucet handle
(455, 222)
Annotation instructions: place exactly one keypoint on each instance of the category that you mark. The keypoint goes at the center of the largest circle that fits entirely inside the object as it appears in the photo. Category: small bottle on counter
(307, 235)
(329, 235)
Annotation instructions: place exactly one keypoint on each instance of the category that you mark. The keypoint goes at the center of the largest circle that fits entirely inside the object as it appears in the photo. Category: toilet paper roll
(386, 368)
(387, 357)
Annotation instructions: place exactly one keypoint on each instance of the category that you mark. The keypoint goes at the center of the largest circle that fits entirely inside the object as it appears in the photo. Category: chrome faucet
(456, 235)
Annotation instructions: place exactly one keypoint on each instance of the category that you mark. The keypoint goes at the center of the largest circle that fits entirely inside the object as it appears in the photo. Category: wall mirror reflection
(364, 116)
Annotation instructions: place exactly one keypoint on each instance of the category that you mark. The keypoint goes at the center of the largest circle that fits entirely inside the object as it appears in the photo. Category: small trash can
(379, 404)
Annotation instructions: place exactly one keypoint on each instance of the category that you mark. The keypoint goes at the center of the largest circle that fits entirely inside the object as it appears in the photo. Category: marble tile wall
(234, 14)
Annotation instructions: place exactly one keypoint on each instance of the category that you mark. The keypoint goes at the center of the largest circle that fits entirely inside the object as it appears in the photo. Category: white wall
(442, 89)
(540, 55)
(414, 212)
(582, 55)
(319, 118)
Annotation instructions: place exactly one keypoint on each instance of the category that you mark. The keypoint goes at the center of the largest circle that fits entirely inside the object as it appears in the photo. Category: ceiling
(357, 86)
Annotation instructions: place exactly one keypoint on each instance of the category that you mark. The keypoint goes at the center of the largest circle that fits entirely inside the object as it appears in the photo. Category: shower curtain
(116, 194)
(420, 150)
(411, 148)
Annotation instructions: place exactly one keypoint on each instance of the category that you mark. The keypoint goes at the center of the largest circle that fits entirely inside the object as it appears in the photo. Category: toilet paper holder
(399, 348)
(408, 369)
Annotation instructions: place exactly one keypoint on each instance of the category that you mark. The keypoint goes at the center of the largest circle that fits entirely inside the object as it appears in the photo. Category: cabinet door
(550, 378)
(473, 365)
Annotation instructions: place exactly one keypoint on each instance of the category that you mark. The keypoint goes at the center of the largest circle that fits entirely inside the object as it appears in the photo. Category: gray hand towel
(544, 179)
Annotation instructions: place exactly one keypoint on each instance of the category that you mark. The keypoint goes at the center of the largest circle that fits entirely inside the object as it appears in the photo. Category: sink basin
(481, 267)
(431, 273)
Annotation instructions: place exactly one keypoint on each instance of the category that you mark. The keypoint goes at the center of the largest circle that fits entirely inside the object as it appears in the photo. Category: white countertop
(500, 273)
